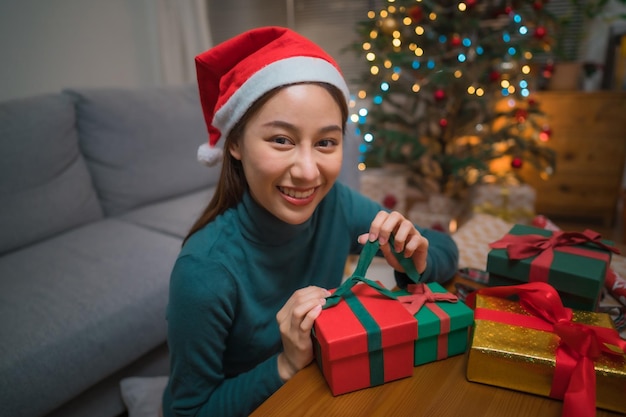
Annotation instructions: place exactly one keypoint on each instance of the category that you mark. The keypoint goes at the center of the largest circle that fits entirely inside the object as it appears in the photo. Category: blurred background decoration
(448, 91)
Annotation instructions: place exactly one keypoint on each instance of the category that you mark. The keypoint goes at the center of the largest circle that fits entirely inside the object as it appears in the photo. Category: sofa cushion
(77, 308)
(174, 216)
(141, 145)
(45, 187)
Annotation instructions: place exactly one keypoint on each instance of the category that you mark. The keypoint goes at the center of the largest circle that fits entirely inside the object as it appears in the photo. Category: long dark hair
(232, 182)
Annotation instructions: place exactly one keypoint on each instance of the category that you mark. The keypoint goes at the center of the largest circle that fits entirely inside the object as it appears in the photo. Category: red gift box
(365, 340)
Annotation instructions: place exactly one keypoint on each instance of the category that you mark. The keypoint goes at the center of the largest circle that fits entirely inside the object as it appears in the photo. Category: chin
(296, 220)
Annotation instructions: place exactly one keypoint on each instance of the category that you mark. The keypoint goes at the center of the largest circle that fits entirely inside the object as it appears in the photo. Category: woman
(256, 267)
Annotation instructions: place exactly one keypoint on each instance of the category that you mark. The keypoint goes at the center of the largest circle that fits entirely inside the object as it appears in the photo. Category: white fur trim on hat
(209, 156)
(282, 72)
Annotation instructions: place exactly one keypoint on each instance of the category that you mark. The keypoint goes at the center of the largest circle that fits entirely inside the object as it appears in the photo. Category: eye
(327, 143)
(281, 140)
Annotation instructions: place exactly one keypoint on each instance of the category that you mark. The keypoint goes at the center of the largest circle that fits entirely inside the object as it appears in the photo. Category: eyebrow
(293, 128)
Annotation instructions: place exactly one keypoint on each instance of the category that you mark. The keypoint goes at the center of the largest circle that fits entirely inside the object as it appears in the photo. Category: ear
(235, 151)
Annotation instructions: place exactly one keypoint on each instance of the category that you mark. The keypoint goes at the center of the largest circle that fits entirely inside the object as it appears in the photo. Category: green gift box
(442, 322)
(574, 263)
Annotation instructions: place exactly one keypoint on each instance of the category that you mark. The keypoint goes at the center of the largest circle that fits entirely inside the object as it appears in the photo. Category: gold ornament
(388, 25)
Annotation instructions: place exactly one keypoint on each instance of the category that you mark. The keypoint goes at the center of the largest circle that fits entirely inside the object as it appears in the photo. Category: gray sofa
(97, 189)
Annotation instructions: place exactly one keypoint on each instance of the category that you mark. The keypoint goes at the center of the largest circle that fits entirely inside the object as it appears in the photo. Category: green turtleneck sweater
(233, 276)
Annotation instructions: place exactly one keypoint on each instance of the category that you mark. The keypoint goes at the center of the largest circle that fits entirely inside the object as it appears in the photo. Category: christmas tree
(448, 90)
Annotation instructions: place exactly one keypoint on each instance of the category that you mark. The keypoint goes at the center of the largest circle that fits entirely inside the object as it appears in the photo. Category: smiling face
(291, 151)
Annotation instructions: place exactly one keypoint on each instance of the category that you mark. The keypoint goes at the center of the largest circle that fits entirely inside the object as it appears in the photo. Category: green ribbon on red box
(579, 346)
(520, 247)
(372, 329)
(365, 259)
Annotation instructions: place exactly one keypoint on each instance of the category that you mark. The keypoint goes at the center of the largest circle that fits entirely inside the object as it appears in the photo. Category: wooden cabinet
(589, 136)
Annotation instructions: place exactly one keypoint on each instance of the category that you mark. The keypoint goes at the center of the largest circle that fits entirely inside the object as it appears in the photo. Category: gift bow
(421, 294)
(579, 346)
(358, 276)
(524, 246)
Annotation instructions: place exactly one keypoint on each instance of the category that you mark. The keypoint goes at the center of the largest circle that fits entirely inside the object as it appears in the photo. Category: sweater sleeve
(200, 313)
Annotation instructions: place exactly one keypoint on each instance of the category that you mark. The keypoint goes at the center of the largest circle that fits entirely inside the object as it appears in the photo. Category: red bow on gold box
(537, 345)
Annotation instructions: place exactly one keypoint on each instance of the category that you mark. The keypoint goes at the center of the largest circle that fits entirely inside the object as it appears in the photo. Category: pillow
(141, 144)
(142, 395)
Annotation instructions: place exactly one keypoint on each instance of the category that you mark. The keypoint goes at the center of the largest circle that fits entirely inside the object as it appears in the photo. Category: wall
(329, 23)
(229, 18)
(48, 45)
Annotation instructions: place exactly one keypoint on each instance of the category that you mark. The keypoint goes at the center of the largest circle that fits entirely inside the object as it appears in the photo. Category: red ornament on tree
(517, 162)
(538, 5)
(494, 75)
(416, 14)
(443, 122)
(545, 134)
(455, 40)
(548, 70)
(470, 3)
(540, 32)
(390, 201)
(439, 95)
(521, 115)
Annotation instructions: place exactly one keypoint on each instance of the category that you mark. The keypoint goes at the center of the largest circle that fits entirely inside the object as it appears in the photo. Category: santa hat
(234, 74)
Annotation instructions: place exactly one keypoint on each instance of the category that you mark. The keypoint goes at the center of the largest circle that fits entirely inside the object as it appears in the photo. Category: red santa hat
(236, 73)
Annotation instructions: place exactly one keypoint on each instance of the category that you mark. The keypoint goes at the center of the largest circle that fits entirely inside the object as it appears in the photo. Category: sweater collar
(261, 226)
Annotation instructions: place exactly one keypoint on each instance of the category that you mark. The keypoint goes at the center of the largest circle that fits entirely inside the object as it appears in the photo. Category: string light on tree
(439, 70)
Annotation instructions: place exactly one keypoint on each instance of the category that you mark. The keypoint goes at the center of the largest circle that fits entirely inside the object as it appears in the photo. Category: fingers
(407, 239)
(362, 239)
(386, 224)
(391, 258)
(302, 308)
(309, 319)
(295, 321)
(383, 225)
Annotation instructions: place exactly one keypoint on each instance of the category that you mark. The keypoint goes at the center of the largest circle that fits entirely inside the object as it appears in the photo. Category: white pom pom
(209, 156)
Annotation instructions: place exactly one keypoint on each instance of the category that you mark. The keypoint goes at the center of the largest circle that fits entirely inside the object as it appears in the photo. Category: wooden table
(435, 389)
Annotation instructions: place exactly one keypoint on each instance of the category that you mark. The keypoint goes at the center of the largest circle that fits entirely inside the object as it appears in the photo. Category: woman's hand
(406, 239)
(295, 321)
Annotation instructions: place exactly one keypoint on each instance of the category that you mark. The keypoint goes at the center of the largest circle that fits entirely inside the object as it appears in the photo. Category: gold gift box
(524, 359)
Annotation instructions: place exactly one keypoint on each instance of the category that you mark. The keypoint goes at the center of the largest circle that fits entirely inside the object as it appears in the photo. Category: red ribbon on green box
(525, 246)
(574, 378)
(422, 296)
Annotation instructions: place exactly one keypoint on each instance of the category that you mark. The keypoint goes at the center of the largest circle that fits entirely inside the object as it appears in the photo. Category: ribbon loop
(365, 259)
(344, 290)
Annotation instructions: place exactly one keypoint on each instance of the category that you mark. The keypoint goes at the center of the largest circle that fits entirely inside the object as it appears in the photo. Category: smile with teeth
(295, 193)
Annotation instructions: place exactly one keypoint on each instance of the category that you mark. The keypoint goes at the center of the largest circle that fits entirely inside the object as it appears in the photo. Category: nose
(305, 166)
